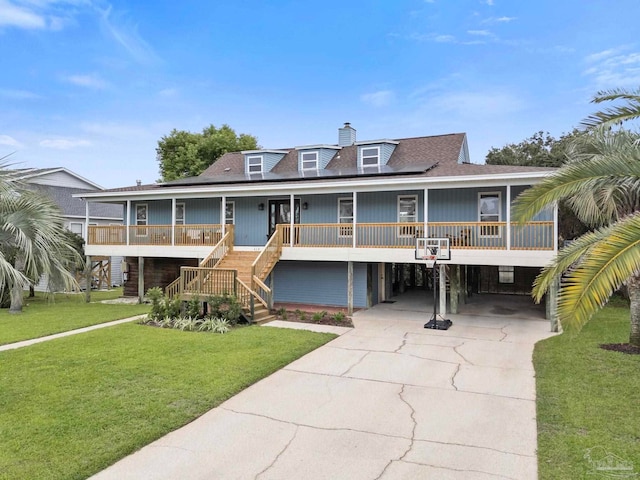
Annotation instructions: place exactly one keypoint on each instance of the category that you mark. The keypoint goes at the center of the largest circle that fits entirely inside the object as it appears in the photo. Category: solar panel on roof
(377, 171)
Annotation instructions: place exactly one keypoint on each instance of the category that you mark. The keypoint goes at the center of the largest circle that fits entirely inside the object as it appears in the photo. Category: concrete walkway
(33, 341)
(386, 400)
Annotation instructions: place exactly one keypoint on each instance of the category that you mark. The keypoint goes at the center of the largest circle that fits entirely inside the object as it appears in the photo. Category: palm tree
(630, 110)
(33, 240)
(601, 183)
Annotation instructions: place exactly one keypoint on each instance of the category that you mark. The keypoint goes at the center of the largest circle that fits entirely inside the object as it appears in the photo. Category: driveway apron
(385, 400)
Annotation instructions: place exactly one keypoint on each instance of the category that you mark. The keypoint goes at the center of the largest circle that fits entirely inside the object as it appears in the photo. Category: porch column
(443, 289)
(551, 304)
(140, 279)
(425, 201)
(382, 294)
(128, 219)
(87, 279)
(355, 215)
(454, 286)
(173, 221)
(555, 230)
(349, 288)
(223, 215)
(508, 217)
(463, 284)
(85, 234)
(292, 216)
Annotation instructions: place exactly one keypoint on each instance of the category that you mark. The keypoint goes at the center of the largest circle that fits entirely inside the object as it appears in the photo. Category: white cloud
(613, 68)
(87, 81)
(381, 98)
(10, 141)
(503, 19)
(18, 94)
(168, 92)
(476, 104)
(127, 36)
(64, 143)
(480, 33)
(12, 15)
(444, 38)
(488, 2)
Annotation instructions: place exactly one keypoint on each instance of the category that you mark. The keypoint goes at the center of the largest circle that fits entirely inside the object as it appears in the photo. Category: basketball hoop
(430, 259)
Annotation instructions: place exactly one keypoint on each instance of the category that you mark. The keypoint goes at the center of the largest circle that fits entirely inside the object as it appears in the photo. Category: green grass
(73, 406)
(44, 315)
(587, 397)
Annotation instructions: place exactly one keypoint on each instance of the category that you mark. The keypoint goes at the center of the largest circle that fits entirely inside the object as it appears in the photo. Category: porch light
(305, 206)
(261, 206)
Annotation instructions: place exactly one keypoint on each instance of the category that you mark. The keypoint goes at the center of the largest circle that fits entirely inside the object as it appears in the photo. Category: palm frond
(618, 114)
(604, 268)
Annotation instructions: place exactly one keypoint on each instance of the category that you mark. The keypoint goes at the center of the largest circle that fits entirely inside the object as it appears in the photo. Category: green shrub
(156, 296)
(338, 317)
(193, 308)
(302, 316)
(226, 307)
(318, 316)
(282, 313)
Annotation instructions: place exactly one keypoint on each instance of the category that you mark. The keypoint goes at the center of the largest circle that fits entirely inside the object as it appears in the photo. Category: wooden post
(382, 280)
(454, 283)
(463, 284)
(87, 276)
(370, 285)
(551, 301)
(401, 279)
(140, 279)
(443, 289)
(349, 288)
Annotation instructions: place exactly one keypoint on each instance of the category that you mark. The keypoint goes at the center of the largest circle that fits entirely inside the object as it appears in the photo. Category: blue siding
(459, 204)
(251, 224)
(158, 212)
(319, 283)
(346, 136)
(545, 215)
(386, 149)
(202, 210)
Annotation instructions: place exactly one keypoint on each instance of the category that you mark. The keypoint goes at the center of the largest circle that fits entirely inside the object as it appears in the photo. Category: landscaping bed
(319, 317)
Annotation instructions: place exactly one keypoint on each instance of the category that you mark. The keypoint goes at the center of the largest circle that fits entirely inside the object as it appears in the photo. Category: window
(309, 160)
(141, 219)
(407, 213)
(489, 210)
(180, 213)
(370, 156)
(505, 274)
(345, 215)
(254, 164)
(230, 213)
(75, 227)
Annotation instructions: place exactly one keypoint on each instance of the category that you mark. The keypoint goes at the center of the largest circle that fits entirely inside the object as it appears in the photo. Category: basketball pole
(434, 323)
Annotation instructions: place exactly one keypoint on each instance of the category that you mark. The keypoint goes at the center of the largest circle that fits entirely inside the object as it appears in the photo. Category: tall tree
(601, 183)
(184, 154)
(539, 150)
(33, 241)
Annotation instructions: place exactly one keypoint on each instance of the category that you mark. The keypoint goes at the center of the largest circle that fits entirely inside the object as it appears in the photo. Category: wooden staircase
(230, 270)
(241, 261)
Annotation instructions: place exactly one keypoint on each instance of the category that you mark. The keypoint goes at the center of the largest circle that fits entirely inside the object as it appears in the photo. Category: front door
(280, 212)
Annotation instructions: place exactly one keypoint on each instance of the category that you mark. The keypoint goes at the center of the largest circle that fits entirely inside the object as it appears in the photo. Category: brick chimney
(346, 135)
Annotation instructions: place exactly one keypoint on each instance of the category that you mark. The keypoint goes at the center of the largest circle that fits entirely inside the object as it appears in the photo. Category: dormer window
(370, 156)
(309, 160)
(254, 164)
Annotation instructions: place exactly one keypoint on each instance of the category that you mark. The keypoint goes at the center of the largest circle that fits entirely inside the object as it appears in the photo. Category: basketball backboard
(426, 247)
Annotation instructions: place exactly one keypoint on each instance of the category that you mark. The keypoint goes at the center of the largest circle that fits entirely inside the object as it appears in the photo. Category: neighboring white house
(60, 185)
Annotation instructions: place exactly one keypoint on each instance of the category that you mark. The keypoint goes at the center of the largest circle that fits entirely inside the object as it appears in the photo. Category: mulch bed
(308, 317)
(621, 347)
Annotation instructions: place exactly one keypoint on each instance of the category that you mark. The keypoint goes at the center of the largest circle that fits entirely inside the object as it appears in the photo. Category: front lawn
(73, 406)
(44, 315)
(588, 398)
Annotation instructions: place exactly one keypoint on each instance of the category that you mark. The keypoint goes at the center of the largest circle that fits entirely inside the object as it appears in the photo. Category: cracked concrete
(385, 400)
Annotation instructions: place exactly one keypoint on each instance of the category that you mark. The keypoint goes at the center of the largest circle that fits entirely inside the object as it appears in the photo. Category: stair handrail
(218, 252)
(172, 289)
(271, 251)
(262, 292)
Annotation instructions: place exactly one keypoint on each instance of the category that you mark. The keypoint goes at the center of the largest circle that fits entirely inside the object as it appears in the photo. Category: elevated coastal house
(62, 186)
(329, 224)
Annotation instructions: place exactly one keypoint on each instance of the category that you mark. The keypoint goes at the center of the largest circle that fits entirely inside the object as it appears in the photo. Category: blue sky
(93, 85)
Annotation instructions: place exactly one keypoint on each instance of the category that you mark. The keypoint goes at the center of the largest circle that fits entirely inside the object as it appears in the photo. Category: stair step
(270, 318)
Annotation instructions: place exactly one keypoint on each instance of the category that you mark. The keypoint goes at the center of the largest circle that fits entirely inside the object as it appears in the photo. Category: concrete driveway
(386, 400)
